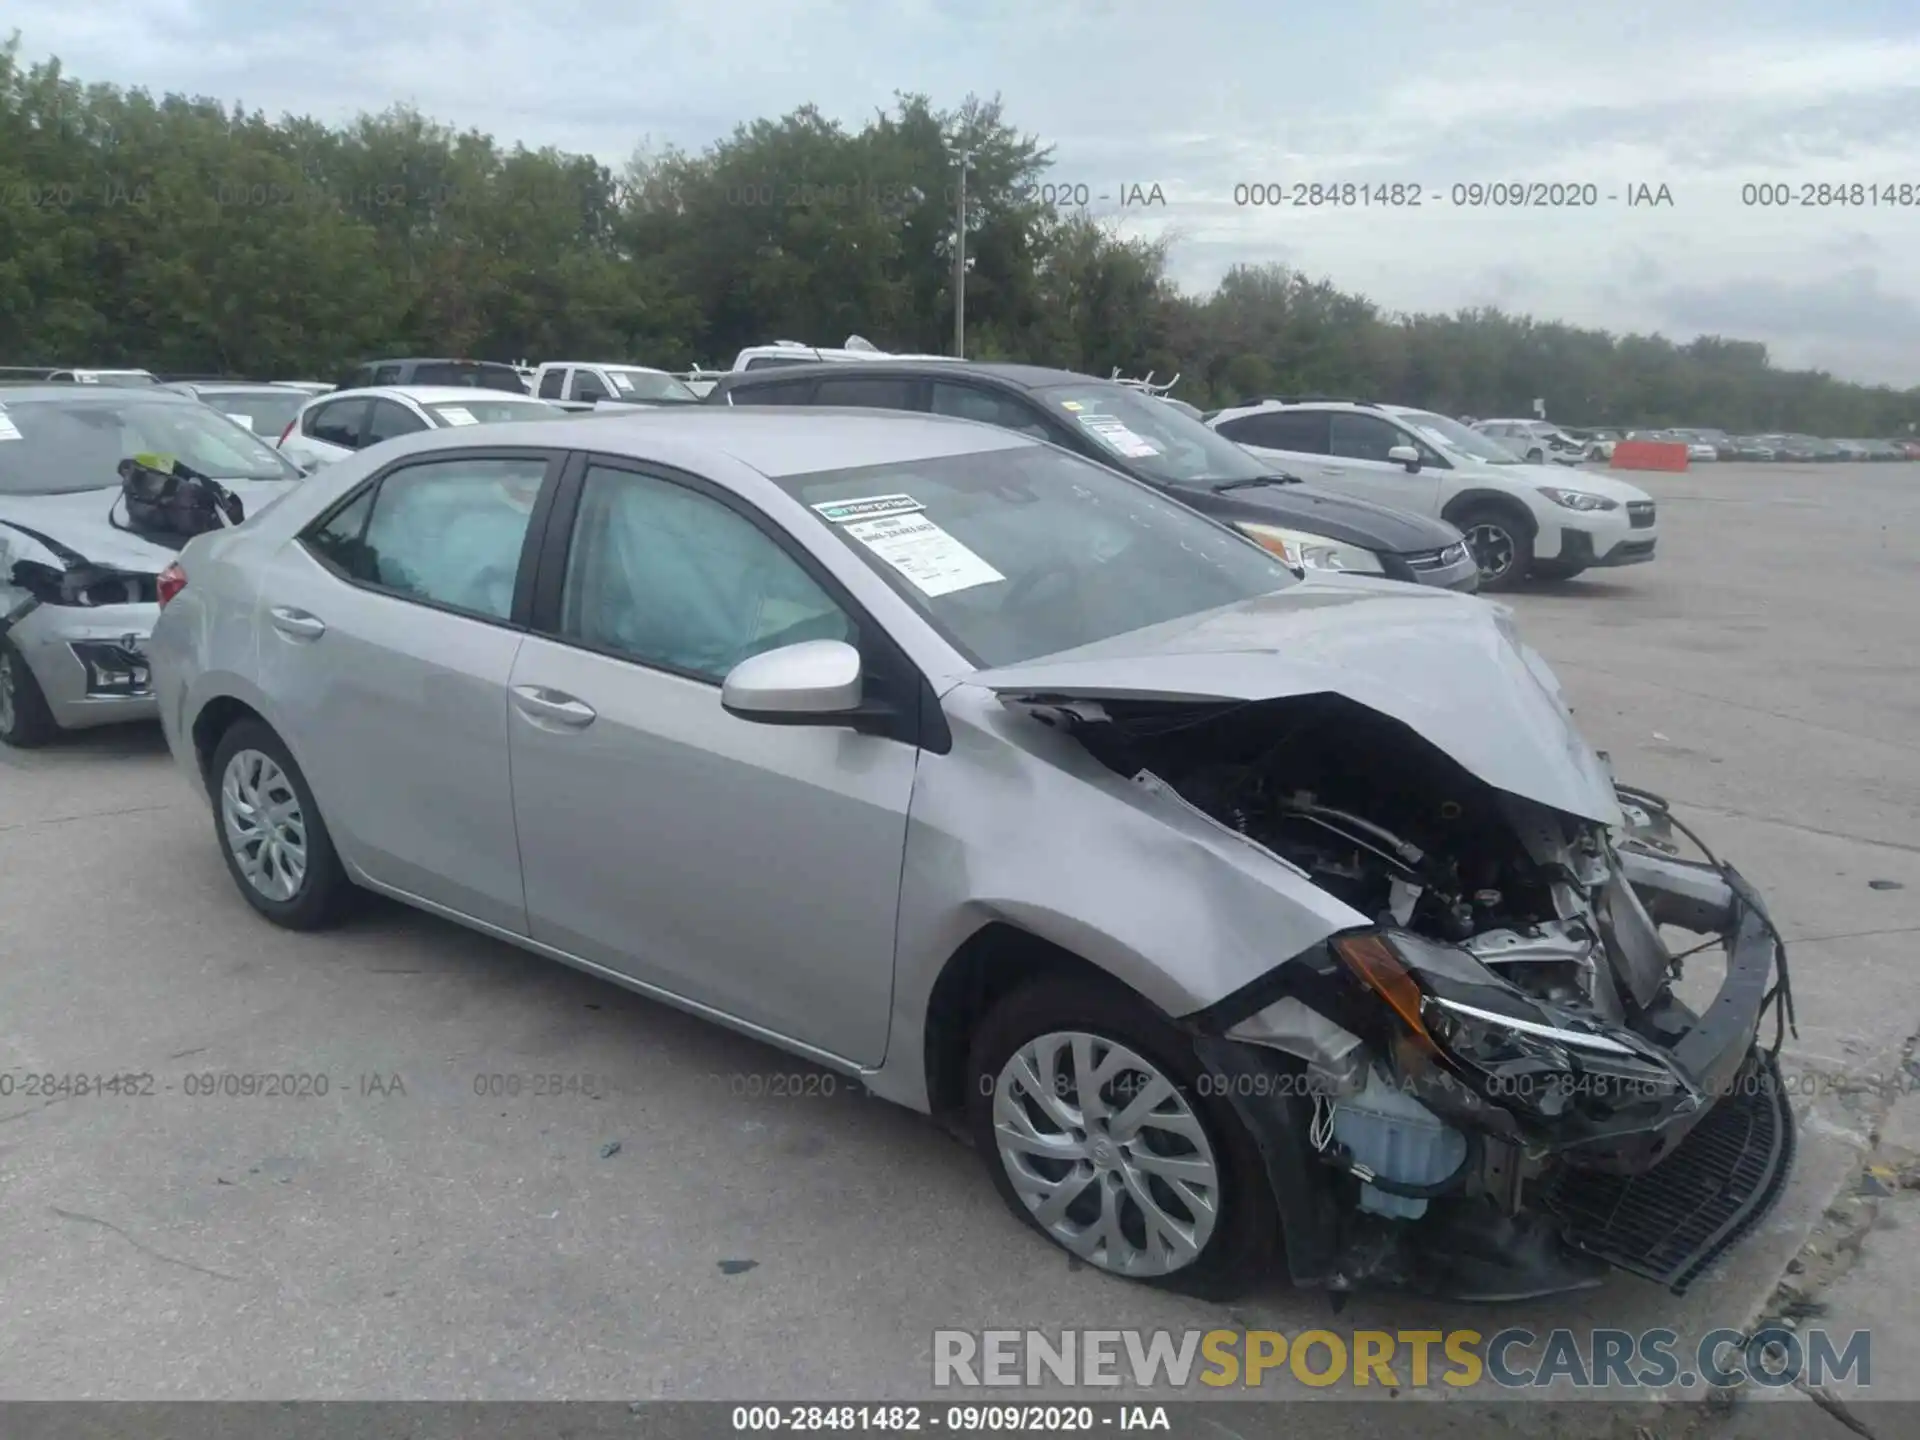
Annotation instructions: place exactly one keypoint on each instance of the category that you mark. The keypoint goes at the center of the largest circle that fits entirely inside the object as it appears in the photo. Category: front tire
(26, 720)
(1089, 1110)
(271, 833)
(1501, 546)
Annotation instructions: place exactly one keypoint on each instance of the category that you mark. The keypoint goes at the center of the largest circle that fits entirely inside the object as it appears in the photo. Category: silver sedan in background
(1243, 915)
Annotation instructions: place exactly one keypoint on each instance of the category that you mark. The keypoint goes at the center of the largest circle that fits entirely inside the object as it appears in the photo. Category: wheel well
(216, 717)
(995, 961)
(1465, 504)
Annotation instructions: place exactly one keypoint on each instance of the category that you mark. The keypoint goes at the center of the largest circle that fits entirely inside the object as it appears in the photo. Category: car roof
(427, 394)
(67, 390)
(432, 360)
(1019, 377)
(602, 365)
(227, 387)
(776, 442)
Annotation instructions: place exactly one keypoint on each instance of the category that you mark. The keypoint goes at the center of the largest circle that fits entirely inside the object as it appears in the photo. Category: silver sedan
(1245, 916)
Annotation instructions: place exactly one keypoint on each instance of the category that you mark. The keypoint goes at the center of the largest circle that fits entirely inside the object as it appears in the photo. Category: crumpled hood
(78, 520)
(1448, 666)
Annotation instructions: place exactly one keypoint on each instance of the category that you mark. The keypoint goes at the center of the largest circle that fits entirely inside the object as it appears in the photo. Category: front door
(751, 869)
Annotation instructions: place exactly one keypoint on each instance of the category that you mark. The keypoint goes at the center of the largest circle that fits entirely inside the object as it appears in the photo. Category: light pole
(965, 157)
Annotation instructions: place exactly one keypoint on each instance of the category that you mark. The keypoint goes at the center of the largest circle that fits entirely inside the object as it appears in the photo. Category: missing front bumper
(1668, 1224)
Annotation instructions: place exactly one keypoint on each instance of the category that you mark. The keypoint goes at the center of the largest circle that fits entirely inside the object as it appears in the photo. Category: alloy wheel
(1106, 1154)
(265, 829)
(1492, 549)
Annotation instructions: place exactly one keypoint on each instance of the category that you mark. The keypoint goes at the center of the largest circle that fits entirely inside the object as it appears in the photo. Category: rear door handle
(554, 706)
(297, 624)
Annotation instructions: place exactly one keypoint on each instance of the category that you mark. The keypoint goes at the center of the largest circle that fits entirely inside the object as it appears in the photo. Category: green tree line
(179, 234)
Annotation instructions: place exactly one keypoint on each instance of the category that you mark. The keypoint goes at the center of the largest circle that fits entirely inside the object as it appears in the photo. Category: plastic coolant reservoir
(1397, 1138)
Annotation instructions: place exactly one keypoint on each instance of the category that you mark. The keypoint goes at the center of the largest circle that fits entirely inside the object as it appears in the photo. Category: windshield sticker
(621, 382)
(1073, 405)
(8, 430)
(873, 507)
(245, 422)
(457, 415)
(932, 560)
(1116, 436)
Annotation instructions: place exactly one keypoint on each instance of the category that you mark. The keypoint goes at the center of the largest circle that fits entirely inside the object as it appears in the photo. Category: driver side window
(669, 577)
(1362, 437)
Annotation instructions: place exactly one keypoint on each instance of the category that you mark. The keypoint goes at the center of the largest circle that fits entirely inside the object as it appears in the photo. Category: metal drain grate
(1671, 1222)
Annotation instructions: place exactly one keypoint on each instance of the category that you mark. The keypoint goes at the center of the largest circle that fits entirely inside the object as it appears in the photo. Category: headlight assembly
(1582, 500)
(1306, 551)
(1512, 1049)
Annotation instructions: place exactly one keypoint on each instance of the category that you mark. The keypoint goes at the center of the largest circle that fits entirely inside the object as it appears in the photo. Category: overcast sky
(1202, 96)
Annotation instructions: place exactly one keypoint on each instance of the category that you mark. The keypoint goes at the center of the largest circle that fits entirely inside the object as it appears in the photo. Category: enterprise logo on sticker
(872, 507)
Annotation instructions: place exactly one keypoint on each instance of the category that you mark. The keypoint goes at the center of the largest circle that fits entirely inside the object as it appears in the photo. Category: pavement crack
(1785, 824)
(143, 1247)
(1837, 1408)
(1851, 935)
(86, 815)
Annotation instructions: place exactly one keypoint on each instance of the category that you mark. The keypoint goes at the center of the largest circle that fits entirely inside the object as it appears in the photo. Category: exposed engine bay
(1498, 1072)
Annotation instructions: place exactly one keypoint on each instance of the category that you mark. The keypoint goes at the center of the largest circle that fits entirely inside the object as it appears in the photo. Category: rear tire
(1214, 1228)
(271, 833)
(1501, 545)
(26, 720)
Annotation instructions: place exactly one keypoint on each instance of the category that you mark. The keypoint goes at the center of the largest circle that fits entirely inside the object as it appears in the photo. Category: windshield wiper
(1277, 478)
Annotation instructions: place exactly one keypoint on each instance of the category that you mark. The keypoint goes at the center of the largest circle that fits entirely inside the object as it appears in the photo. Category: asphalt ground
(727, 1223)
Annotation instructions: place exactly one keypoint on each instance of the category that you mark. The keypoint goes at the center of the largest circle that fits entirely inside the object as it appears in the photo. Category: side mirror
(1405, 455)
(816, 682)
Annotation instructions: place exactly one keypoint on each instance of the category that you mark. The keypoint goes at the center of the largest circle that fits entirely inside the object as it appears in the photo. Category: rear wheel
(276, 845)
(26, 721)
(1502, 547)
(1088, 1108)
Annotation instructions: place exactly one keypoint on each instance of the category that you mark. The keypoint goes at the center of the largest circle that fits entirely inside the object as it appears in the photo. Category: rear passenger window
(968, 402)
(550, 384)
(448, 532)
(337, 424)
(1302, 431)
(794, 392)
(873, 392)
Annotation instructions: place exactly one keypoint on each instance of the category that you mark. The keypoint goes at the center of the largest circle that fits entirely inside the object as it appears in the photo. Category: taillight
(288, 431)
(170, 583)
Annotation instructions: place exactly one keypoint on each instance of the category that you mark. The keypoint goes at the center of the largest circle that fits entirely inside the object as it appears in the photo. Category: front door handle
(297, 624)
(555, 706)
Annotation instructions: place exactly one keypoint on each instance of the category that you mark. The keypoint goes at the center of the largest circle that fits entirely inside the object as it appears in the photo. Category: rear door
(388, 632)
(753, 870)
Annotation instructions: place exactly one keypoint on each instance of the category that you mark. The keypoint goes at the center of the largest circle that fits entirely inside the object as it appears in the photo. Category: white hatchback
(344, 422)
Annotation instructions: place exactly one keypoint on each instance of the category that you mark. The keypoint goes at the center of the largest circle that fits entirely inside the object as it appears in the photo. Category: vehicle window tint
(390, 420)
(670, 577)
(449, 531)
(874, 392)
(338, 423)
(769, 362)
(1304, 431)
(1361, 437)
(794, 392)
(550, 384)
(587, 386)
(386, 375)
(969, 402)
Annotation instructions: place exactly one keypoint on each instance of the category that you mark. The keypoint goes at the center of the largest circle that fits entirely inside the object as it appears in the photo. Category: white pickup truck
(589, 384)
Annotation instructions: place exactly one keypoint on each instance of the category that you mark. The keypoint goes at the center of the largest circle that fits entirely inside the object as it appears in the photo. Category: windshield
(1151, 438)
(478, 374)
(647, 385)
(264, 412)
(483, 409)
(1030, 550)
(1447, 434)
(54, 447)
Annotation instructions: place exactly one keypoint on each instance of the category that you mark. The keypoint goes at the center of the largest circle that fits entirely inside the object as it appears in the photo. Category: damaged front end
(1494, 1090)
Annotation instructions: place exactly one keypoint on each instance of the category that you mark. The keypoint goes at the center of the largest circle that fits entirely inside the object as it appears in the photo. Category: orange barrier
(1649, 455)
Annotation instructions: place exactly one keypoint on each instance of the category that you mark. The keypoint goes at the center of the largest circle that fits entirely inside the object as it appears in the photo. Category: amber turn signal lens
(1373, 960)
